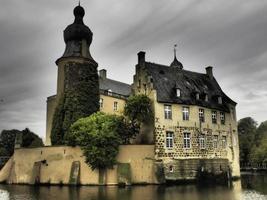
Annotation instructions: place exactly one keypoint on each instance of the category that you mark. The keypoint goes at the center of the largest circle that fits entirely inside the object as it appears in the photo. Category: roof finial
(174, 50)
(79, 2)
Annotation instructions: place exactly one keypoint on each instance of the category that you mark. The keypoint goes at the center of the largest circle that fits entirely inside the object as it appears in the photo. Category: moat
(252, 186)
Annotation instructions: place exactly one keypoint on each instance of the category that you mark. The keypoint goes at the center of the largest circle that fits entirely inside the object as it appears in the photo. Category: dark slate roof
(115, 86)
(166, 79)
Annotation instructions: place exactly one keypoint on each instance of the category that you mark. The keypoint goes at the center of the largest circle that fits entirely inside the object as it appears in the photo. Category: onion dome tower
(78, 38)
(77, 83)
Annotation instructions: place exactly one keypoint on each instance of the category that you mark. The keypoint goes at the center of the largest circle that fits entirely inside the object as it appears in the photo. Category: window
(109, 92)
(201, 115)
(169, 139)
(115, 106)
(187, 141)
(185, 113)
(215, 141)
(222, 116)
(197, 96)
(171, 168)
(101, 102)
(206, 97)
(214, 117)
(219, 100)
(224, 142)
(178, 92)
(202, 142)
(168, 111)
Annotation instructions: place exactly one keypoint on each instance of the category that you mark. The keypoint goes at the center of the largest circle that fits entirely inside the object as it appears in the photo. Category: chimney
(141, 57)
(103, 73)
(209, 72)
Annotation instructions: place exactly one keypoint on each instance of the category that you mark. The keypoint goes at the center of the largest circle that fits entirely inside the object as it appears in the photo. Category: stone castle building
(195, 121)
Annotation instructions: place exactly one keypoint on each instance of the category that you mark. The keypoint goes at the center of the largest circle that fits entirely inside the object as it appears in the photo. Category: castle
(195, 125)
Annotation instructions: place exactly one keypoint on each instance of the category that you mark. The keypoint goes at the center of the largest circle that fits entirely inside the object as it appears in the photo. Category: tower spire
(175, 62)
(174, 50)
(79, 2)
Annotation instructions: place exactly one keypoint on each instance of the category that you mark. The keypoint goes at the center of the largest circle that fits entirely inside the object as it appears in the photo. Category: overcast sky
(231, 36)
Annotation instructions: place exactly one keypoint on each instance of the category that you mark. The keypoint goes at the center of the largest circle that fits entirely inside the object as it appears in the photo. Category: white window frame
(215, 141)
(214, 117)
(224, 142)
(187, 140)
(169, 140)
(185, 112)
(201, 114)
(222, 117)
(167, 111)
(202, 142)
(101, 102)
(178, 92)
(115, 106)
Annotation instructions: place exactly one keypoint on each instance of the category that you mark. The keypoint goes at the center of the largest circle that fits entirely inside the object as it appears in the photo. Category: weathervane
(174, 50)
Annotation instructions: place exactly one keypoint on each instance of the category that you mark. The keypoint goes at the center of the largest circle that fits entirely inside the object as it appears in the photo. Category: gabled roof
(167, 79)
(115, 86)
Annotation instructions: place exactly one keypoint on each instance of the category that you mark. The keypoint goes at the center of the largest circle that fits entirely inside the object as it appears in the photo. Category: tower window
(201, 115)
(222, 116)
(101, 102)
(187, 141)
(178, 92)
(168, 111)
(185, 113)
(169, 139)
(202, 144)
(115, 106)
(214, 117)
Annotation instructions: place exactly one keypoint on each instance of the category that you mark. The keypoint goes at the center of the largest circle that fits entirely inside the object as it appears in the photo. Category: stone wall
(54, 165)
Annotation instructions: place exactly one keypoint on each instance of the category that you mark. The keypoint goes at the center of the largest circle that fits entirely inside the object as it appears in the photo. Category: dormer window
(197, 96)
(109, 92)
(178, 92)
(206, 97)
(219, 100)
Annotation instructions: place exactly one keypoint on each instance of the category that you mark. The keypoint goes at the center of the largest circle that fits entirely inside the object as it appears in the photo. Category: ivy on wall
(80, 99)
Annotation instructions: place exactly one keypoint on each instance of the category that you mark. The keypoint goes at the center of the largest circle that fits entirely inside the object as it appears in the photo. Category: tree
(7, 140)
(138, 110)
(99, 136)
(246, 131)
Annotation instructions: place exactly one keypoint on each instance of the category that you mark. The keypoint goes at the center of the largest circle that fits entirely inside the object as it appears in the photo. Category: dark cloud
(229, 35)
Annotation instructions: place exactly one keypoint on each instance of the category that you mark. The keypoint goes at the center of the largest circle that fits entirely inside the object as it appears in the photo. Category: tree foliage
(246, 129)
(138, 111)
(252, 141)
(7, 140)
(99, 136)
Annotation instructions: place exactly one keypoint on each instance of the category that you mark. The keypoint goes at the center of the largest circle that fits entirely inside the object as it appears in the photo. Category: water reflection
(254, 187)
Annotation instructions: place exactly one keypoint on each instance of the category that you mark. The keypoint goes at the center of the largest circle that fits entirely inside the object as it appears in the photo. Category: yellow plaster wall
(108, 102)
(59, 161)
